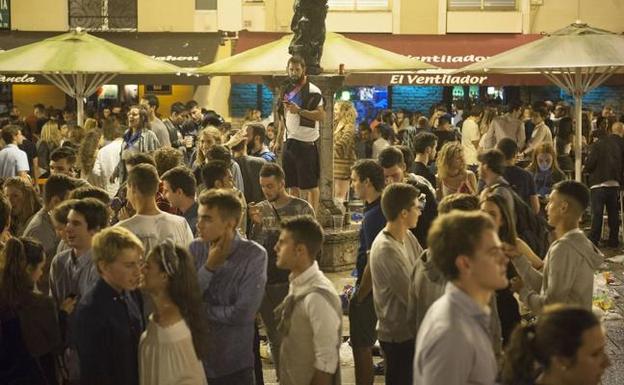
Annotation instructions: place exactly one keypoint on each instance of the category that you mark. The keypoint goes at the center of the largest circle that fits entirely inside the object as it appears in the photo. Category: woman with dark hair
(508, 311)
(30, 331)
(565, 347)
(175, 339)
(564, 141)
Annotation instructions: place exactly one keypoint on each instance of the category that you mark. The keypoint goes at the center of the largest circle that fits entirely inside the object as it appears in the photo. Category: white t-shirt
(470, 133)
(154, 229)
(293, 129)
(105, 162)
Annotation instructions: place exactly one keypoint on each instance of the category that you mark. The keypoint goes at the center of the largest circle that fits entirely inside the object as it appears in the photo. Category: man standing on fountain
(300, 112)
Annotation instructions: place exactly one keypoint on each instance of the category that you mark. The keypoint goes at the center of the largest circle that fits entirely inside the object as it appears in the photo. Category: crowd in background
(469, 211)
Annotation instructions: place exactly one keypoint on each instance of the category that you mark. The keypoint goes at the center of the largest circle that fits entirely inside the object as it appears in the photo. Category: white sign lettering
(438, 79)
(17, 79)
(176, 58)
(449, 58)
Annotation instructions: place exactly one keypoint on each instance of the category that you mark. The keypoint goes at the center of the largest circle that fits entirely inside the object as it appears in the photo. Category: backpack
(531, 228)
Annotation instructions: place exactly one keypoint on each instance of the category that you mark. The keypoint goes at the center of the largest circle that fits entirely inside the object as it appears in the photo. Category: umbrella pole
(578, 137)
(80, 110)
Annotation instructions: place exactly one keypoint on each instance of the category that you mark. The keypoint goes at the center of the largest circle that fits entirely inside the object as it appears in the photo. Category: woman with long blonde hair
(453, 175)
(545, 169)
(49, 141)
(87, 152)
(206, 138)
(24, 201)
(344, 146)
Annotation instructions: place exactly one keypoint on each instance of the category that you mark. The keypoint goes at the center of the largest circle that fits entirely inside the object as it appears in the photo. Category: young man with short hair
(56, 190)
(174, 124)
(425, 148)
(73, 272)
(392, 258)
(151, 225)
(13, 161)
(491, 169)
(216, 174)
(311, 314)
(62, 161)
(179, 189)
(454, 345)
(392, 161)
(265, 218)
(151, 103)
(256, 142)
(110, 315)
(232, 273)
(520, 179)
(367, 181)
(571, 261)
(250, 166)
(508, 125)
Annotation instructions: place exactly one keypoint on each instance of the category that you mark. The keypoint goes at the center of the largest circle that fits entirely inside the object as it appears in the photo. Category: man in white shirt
(299, 130)
(508, 125)
(13, 161)
(392, 258)
(106, 161)
(453, 346)
(162, 133)
(471, 136)
(311, 314)
(149, 224)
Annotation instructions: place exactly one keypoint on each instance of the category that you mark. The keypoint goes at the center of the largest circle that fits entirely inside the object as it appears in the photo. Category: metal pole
(578, 105)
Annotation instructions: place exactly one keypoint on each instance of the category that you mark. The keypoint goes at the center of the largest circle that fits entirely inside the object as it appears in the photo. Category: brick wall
(415, 98)
(599, 97)
(245, 96)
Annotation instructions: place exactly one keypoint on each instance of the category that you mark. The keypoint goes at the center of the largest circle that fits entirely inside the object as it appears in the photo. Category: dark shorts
(300, 161)
(363, 322)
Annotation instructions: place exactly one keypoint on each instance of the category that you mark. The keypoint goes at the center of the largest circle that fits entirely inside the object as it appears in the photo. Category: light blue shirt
(232, 295)
(453, 345)
(12, 161)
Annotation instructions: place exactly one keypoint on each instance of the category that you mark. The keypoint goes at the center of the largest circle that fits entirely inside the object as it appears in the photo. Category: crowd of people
(135, 250)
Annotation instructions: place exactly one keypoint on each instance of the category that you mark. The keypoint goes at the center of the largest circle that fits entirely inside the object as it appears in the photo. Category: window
(482, 5)
(206, 5)
(358, 5)
(103, 15)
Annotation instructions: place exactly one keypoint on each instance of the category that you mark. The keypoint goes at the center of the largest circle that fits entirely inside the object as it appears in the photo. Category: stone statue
(308, 24)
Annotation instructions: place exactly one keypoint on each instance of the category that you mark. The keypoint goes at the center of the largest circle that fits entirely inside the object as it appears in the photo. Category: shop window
(103, 15)
(358, 5)
(206, 5)
(482, 5)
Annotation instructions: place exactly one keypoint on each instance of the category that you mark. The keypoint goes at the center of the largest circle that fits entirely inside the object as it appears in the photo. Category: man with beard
(266, 217)
(300, 114)
(174, 124)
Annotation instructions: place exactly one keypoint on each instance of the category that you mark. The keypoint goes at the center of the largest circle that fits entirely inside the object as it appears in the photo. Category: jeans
(242, 377)
(274, 294)
(399, 362)
(601, 197)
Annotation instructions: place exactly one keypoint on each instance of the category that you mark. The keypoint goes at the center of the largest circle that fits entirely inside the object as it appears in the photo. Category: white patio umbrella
(577, 58)
(79, 63)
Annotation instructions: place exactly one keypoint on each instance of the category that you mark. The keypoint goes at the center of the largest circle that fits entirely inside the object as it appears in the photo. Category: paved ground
(614, 324)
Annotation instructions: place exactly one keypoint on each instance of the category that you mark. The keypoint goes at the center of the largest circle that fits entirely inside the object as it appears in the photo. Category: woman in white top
(175, 337)
(541, 132)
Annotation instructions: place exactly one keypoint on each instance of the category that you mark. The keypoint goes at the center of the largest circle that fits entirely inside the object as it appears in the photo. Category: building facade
(391, 24)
